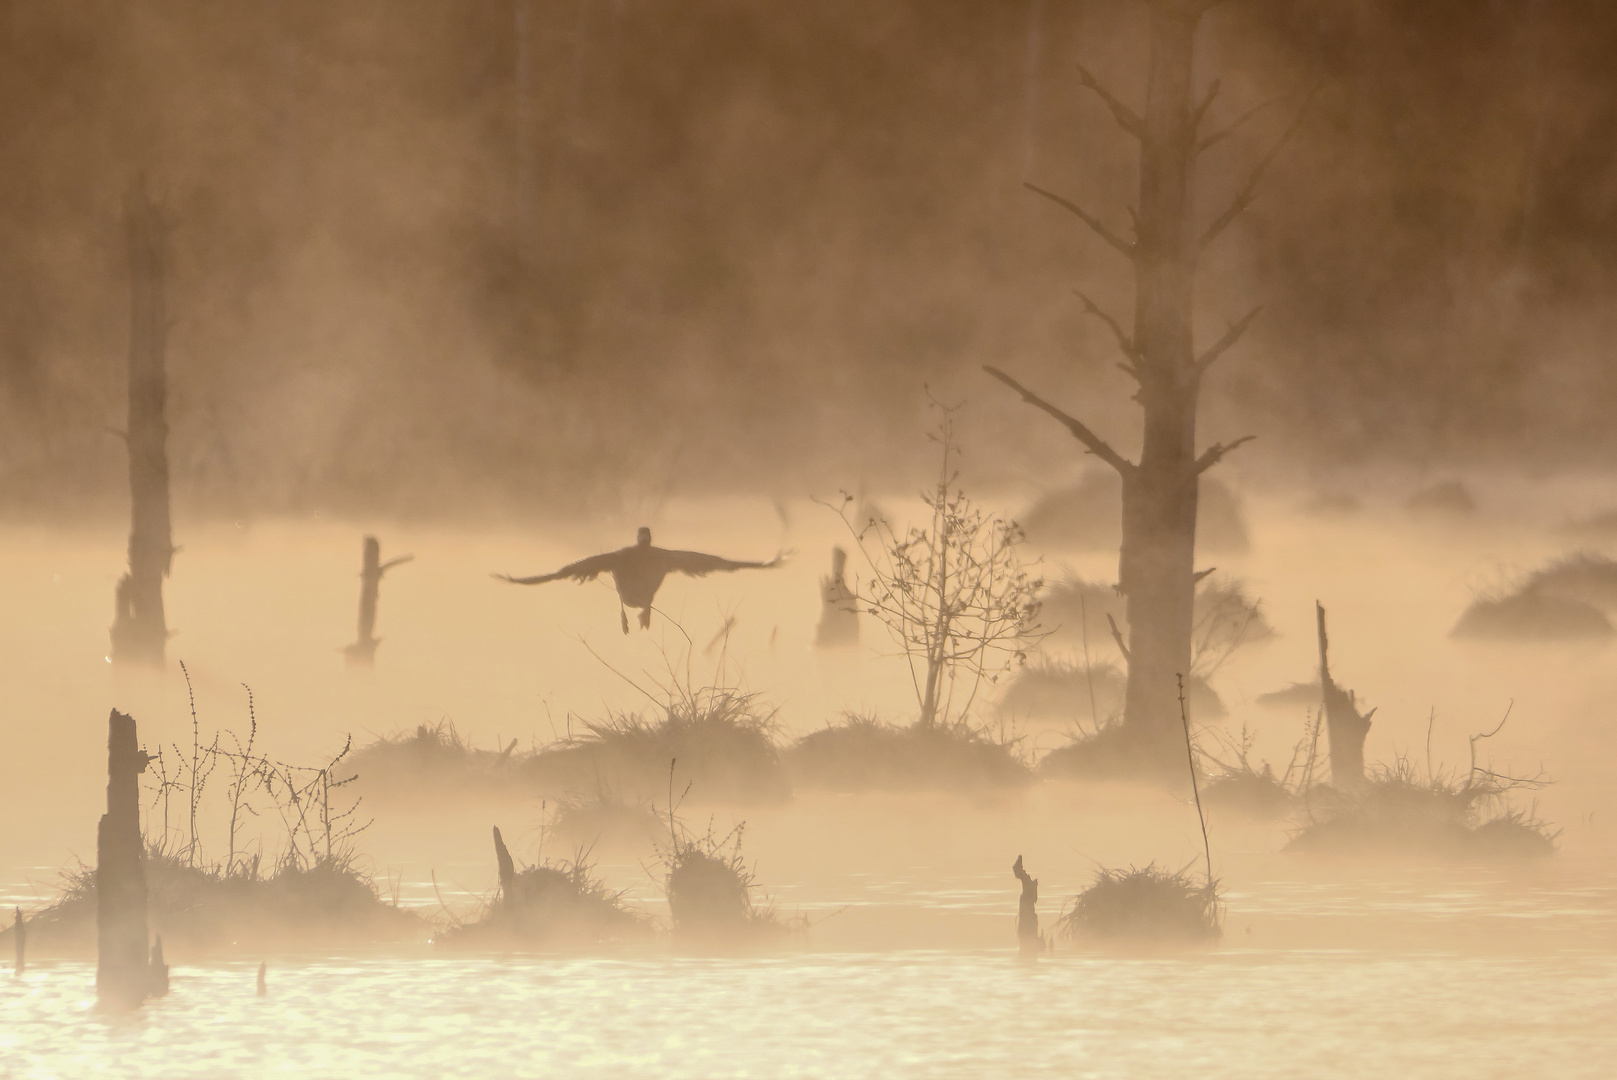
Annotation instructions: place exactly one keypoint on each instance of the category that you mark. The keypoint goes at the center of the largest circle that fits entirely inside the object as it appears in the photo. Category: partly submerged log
(1345, 727)
(126, 974)
(1027, 915)
(363, 650)
(839, 606)
(139, 626)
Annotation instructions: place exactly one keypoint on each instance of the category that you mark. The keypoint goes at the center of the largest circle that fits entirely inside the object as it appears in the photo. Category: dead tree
(139, 627)
(1156, 572)
(839, 606)
(126, 974)
(1345, 727)
(1027, 915)
(363, 650)
(19, 940)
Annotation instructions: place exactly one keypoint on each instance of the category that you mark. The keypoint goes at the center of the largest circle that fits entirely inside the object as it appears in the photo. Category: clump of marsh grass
(864, 753)
(1234, 783)
(723, 738)
(710, 887)
(1148, 905)
(1399, 809)
(604, 815)
(557, 903)
(1568, 599)
(199, 906)
(434, 756)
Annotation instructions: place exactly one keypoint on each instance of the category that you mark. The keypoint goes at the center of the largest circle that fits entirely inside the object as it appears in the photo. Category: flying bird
(638, 572)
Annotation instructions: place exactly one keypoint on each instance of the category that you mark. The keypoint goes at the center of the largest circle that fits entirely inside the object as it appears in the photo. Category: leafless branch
(1216, 452)
(1094, 443)
(1126, 118)
(1117, 636)
(1124, 342)
(1235, 125)
(1086, 217)
(1243, 197)
(1200, 112)
(1223, 344)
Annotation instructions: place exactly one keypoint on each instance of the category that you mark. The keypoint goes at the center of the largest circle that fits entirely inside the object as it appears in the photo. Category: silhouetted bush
(709, 887)
(1088, 516)
(1563, 601)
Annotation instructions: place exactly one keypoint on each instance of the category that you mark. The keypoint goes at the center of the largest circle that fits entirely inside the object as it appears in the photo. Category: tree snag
(363, 650)
(1027, 915)
(1156, 574)
(1345, 728)
(839, 606)
(126, 974)
(139, 627)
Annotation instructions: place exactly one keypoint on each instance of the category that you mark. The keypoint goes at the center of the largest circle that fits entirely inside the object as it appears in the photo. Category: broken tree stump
(1345, 727)
(363, 651)
(19, 939)
(125, 973)
(839, 607)
(139, 626)
(1027, 915)
(508, 869)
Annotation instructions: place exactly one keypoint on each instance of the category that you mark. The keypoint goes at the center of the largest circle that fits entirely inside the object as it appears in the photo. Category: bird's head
(643, 537)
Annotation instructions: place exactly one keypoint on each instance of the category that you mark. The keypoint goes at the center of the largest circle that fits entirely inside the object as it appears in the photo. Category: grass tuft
(1143, 906)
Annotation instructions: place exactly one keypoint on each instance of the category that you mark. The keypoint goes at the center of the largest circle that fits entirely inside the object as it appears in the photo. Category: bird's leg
(623, 616)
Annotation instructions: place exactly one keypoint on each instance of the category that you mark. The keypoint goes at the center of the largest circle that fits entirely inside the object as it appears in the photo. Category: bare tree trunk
(125, 974)
(1345, 727)
(363, 650)
(139, 628)
(19, 940)
(1156, 569)
(1156, 572)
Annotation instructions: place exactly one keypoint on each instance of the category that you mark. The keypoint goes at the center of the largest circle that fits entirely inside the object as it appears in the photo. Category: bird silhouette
(638, 572)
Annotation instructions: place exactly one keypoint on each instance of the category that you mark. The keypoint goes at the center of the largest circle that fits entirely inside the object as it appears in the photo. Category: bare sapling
(954, 594)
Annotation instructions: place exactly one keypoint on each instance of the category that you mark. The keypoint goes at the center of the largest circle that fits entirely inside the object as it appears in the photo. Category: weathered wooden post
(19, 938)
(139, 626)
(1027, 915)
(125, 973)
(1345, 728)
(839, 607)
(363, 650)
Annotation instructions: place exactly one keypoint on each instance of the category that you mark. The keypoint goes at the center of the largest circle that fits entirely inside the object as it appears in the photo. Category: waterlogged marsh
(1326, 968)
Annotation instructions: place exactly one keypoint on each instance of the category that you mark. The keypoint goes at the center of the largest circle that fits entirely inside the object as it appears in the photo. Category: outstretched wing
(696, 564)
(582, 570)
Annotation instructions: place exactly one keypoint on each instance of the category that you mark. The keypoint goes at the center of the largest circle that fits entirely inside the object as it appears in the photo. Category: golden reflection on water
(1227, 1014)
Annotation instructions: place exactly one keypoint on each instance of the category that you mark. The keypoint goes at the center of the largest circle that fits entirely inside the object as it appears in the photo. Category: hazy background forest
(499, 258)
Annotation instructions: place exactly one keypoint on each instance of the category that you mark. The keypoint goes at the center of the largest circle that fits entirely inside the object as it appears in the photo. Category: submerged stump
(1027, 915)
(126, 974)
(1345, 727)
